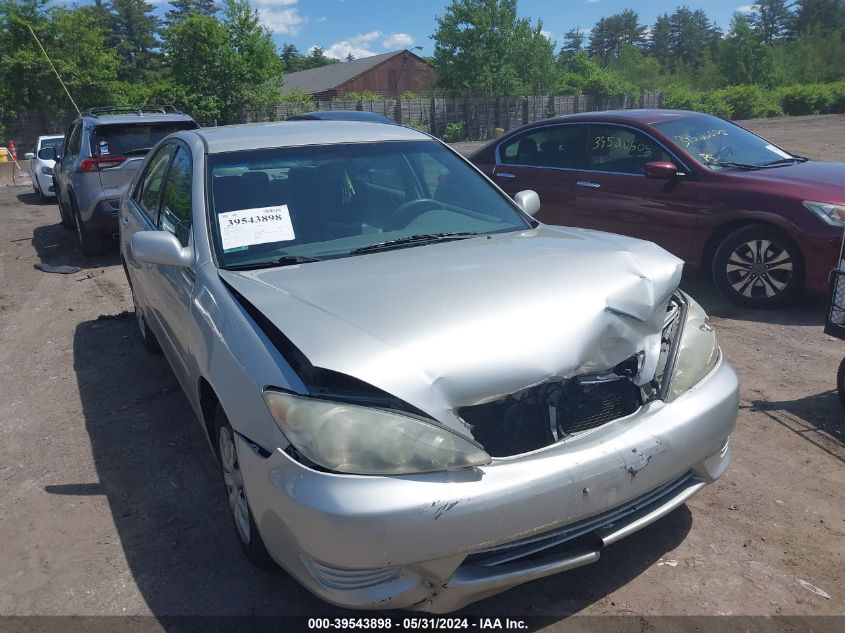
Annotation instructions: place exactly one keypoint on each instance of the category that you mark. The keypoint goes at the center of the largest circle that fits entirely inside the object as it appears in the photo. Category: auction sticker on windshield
(248, 227)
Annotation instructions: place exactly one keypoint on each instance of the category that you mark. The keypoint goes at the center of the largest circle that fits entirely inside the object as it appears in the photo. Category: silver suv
(103, 149)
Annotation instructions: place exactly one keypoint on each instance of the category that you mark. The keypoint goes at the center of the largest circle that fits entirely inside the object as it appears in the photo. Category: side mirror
(528, 201)
(47, 153)
(160, 247)
(29, 156)
(662, 170)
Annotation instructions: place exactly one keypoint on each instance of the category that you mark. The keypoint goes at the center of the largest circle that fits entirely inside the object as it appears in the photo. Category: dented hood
(459, 323)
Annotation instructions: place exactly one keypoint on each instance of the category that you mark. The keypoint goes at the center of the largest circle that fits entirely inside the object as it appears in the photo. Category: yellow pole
(49, 61)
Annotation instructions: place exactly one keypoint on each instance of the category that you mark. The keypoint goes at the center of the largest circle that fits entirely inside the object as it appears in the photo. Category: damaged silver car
(419, 396)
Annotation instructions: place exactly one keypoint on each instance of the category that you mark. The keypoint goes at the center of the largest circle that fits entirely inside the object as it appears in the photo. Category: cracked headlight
(367, 441)
(698, 351)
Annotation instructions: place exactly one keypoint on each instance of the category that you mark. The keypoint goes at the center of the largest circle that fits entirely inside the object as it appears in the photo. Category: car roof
(341, 115)
(234, 138)
(122, 119)
(647, 116)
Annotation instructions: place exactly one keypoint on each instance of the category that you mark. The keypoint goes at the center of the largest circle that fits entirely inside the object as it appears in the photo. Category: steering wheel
(407, 211)
(725, 151)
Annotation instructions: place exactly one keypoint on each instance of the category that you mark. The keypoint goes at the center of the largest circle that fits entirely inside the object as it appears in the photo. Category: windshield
(132, 139)
(296, 204)
(55, 143)
(719, 144)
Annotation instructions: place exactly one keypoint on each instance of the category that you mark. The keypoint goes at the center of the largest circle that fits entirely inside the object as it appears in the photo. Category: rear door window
(132, 139)
(151, 184)
(175, 216)
(560, 146)
(74, 139)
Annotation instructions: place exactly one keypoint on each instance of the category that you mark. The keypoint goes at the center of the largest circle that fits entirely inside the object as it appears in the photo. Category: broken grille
(545, 414)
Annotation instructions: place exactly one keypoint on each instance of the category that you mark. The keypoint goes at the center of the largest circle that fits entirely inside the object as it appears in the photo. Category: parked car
(764, 221)
(419, 396)
(103, 149)
(341, 115)
(41, 163)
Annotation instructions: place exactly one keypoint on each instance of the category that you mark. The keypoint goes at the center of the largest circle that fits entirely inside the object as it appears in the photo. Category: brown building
(389, 75)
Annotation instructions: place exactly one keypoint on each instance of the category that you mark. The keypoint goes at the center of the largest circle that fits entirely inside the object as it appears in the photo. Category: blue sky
(368, 27)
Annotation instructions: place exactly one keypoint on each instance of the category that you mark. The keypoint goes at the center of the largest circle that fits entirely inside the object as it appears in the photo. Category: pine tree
(183, 8)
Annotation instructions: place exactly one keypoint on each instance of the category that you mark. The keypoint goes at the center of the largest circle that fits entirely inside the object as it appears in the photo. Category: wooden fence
(480, 116)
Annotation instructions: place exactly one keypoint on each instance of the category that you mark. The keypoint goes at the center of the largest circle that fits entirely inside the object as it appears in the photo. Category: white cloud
(322, 18)
(745, 8)
(280, 16)
(593, 1)
(547, 34)
(398, 40)
(358, 46)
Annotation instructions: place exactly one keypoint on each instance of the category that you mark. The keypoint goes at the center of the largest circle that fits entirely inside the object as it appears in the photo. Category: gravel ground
(110, 503)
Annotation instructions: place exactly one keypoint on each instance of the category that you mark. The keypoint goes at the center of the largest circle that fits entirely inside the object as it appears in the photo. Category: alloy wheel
(759, 268)
(233, 480)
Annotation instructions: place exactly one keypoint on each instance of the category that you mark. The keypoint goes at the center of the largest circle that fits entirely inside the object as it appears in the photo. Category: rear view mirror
(661, 170)
(29, 156)
(528, 201)
(160, 247)
(47, 153)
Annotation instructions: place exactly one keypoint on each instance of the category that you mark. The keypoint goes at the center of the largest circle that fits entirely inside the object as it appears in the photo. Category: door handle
(125, 220)
(505, 174)
(588, 183)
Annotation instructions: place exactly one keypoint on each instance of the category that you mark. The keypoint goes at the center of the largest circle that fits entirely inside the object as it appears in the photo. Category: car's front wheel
(758, 266)
(840, 382)
(233, 481)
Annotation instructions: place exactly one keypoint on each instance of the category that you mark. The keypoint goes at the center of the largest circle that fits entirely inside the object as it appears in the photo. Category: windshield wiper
(412, 240)
(284, 260)
(786, 161)
(722, 163)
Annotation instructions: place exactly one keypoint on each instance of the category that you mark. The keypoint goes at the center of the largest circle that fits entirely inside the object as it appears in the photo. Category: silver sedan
(419, 396)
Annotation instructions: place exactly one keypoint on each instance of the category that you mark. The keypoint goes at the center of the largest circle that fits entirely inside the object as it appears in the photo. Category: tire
(758, 266)
(148, 339)
(227, 457)
(67, 220)
(92, 243)
(840, 382)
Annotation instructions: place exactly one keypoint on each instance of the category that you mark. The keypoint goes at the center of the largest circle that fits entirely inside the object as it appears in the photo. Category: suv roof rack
(152, 109)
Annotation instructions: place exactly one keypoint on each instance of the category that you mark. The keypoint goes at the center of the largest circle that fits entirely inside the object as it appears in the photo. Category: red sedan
(766, 222)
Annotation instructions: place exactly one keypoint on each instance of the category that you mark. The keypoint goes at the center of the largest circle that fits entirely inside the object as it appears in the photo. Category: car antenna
(49, 61)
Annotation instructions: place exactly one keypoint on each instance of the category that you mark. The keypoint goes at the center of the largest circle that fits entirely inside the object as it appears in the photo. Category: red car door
(614, 195)
(545, 160)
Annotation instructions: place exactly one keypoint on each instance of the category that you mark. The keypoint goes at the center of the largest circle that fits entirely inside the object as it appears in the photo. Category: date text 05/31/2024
(417, 623)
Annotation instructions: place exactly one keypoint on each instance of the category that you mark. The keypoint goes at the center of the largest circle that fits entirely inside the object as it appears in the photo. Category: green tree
(225, 67)
(610, 34)
(181, 9)
(770, 18)
(294, 61)
(573, 43)
(477, 48)
(76, 45)
(690, 34)
(745, 58)
(134, 29)
(540, 73)
(317, 58)
(660, 42)
(816, 17)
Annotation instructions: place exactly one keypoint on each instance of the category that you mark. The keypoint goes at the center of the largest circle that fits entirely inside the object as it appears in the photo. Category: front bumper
(437, 542)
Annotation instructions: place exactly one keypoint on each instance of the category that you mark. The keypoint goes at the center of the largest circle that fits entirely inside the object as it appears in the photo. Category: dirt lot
(110, 502)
